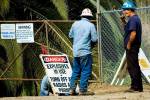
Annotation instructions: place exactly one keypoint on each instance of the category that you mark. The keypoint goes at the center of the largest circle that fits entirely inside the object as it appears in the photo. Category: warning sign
(58, 70)
(24, 33)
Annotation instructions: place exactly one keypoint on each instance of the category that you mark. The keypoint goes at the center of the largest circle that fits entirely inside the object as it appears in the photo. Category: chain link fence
(112, 33)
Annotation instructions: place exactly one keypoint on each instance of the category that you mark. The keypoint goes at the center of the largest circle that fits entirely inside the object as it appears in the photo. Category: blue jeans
(82, 67)
(45, 86)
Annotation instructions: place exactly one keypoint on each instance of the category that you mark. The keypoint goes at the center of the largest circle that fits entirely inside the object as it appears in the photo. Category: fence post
(99, 41)
(47, 37)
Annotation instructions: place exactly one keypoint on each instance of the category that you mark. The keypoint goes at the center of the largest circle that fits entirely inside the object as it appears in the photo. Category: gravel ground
(102, 92)
(111, 96)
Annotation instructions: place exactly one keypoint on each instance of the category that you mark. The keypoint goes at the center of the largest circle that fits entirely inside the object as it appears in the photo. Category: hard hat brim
(128, 8)
(86, 15)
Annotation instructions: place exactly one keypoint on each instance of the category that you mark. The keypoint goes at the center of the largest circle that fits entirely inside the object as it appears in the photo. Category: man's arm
(131, 39)
(71, 33)
(94, 36)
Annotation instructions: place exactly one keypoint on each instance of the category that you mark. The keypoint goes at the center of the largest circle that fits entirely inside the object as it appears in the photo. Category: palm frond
(13, 68)
(61, 7)
(61, 38)
(4, 7)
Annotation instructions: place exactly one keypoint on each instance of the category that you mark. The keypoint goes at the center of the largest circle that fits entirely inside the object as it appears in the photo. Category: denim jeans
(44, 91)
(46, 88)
(82, 67)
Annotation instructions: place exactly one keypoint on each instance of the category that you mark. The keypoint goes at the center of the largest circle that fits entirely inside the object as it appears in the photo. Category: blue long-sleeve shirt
(82, 32)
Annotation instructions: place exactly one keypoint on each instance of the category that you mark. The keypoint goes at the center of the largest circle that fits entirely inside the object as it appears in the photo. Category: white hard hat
(86, 12)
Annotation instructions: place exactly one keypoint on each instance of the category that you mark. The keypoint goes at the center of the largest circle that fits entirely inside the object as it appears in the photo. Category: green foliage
(4, 7)
(61, 7)
(12, 68)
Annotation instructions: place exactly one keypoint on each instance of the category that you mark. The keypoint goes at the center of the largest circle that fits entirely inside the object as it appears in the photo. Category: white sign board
(144, 65)
(24, 33)
(7, 31)
(58, 70)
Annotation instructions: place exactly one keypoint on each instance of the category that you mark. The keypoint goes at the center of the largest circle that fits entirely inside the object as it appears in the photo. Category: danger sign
(56, 59)
(58, 70)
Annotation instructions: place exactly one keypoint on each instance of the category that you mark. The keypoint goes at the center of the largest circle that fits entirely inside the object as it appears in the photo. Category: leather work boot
(72, 93)
(86, 93)
(134, 90)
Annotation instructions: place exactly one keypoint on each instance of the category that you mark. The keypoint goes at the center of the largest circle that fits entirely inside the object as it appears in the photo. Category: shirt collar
(85, 19)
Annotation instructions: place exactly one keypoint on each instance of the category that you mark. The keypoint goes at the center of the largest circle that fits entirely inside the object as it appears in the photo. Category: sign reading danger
(55, 59)
(58, 70)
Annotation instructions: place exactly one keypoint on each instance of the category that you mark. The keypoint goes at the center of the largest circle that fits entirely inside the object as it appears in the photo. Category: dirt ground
(102, 92)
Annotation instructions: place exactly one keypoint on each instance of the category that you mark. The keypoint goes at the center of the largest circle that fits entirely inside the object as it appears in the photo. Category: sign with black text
(24, 33)
(58, 70)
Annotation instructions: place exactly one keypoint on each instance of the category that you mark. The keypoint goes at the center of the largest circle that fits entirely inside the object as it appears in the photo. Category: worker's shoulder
(83, 22)
(135, 17)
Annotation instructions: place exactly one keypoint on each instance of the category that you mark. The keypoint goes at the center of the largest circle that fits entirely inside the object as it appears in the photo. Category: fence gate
(20, 63)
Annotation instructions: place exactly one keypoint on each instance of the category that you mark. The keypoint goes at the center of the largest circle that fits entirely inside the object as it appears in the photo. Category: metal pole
(99, 41)
(47, 37)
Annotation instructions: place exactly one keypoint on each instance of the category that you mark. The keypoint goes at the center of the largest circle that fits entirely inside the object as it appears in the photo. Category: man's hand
(128, 46)
(93, 44)
(123, 19)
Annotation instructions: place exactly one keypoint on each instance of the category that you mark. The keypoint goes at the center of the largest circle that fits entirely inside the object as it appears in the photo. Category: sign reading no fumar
(58, 70)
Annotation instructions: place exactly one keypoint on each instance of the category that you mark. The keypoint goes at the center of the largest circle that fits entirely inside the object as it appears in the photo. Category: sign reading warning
(58, 70)
(24, 33)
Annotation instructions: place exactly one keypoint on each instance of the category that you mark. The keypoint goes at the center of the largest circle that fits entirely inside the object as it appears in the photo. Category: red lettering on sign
(60, 59)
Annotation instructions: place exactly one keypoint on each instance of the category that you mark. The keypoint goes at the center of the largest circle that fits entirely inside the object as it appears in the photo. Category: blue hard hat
(129, 5)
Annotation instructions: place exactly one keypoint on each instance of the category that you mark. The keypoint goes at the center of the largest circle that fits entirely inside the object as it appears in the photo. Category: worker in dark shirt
(132, 43)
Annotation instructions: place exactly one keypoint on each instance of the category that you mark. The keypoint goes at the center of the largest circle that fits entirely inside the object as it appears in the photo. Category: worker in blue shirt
(83, 33)
(132, 43)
